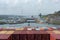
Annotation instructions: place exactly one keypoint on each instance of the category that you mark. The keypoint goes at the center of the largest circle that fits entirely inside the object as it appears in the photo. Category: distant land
(53, 18)
(11, 19)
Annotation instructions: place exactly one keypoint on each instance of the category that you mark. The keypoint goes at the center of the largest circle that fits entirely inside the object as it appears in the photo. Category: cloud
(15, 2)
(55, 1)
(26, 1)
(12, 2)
(9, 2)
(39, 1)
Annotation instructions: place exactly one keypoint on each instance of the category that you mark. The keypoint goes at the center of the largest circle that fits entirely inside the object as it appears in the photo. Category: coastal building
(54, 19)
(31, 21)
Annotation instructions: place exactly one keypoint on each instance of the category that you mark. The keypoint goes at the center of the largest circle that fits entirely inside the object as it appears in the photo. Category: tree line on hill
(54, 18)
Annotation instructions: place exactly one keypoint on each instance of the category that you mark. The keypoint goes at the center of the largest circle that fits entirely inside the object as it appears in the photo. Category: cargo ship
(29, 33)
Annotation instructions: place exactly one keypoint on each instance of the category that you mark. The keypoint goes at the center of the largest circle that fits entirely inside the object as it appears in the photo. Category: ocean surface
(26, 25)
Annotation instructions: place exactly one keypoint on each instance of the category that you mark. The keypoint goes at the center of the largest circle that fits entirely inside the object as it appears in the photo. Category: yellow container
(3, 32)
(9, 32)
(19, 29)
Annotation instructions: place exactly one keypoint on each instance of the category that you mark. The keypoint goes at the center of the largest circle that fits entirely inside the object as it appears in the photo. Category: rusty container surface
(5, 37)
(41, 35)
(57, 39)
(15, 35)
(30, 35)
(51, 35)
(55, 35)
(19, 35)
(23, 35)
(38, 35)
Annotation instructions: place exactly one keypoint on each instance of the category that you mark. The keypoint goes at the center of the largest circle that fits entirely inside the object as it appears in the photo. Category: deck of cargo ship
(20, 34)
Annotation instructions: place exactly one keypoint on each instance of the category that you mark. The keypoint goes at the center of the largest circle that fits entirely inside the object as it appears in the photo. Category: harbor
(33, 29)
(29, 19)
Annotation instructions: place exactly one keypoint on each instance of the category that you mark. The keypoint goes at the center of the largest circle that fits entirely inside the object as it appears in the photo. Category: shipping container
(30, 35)
(25, 35)
(5, 37)
(55, 35)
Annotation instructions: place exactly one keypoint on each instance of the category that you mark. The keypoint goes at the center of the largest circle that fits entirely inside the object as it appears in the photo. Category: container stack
(30, 35)
(6, 35)
(55, 35)
(15, 35)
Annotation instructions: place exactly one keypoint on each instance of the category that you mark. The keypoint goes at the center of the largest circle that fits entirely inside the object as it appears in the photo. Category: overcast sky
(28, 7)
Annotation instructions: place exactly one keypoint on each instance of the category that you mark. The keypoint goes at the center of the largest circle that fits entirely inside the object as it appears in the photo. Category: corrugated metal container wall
(55, 37)
(52, 38)
(15, 35)
(25, 35)
(30, 35)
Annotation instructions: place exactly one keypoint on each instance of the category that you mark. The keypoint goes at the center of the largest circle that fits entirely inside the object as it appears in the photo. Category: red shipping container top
(36, 32)
(4, 36)
(20, 32)
(30, 32)
(40, 32)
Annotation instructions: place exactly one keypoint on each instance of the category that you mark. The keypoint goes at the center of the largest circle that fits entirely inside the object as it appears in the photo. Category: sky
(28, 7)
